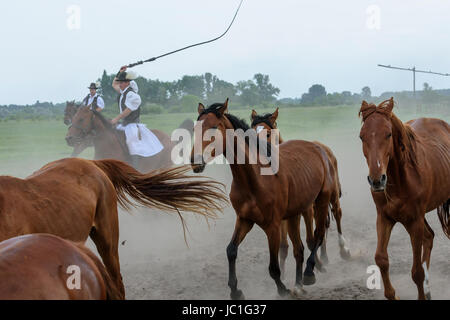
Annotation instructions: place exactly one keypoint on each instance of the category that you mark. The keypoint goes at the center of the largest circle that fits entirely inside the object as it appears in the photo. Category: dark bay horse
(302, 181)
(409, 175)
(110, 143)
(268, 122)
(75, 198)
(44, 267)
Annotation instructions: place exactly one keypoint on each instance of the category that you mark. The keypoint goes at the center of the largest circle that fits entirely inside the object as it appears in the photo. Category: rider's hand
(124, 68)
(114, 121)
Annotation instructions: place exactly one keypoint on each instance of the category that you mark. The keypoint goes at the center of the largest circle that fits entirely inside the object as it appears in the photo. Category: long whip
(190, 46)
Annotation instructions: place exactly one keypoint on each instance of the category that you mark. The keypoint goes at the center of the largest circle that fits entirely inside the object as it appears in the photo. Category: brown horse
(69, 112)
(76, 198)
(302, 181)
(409, 175)
(44, 267)
(268, 122)
(110, 143)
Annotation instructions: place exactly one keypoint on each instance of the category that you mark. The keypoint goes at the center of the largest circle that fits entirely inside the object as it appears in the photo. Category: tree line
(183, 95)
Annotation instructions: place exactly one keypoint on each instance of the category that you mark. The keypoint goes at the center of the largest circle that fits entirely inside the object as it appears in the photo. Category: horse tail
(165, 189)
(112, 292)
(444, 216)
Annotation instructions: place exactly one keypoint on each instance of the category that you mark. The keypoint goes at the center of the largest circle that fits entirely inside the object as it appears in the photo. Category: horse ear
(364, 103)
(274, 116)
(201, 108)
(390, 104)
(254, 114)
(224, 108)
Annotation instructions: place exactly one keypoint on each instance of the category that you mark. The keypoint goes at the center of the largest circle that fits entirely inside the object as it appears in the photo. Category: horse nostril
(369, 180)
(383, 178)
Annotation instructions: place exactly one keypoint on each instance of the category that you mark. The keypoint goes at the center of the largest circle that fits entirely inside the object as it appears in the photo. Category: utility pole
(414, 70)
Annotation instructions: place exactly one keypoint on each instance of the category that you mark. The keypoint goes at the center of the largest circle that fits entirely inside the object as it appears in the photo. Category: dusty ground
(156, 264)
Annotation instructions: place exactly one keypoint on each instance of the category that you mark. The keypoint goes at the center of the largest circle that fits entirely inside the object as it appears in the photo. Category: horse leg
(273, 236)
(298, 250)
(105, 235)
(241, 228)
(384, 229)
(319, 233)
(337, 213)
(283, 247)
(416, 233)
(428, 237)
(323, 249)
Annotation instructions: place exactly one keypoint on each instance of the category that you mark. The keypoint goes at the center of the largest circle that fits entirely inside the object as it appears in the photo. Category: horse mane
(404, 138)
(265, 118)
(235, 122)
(103, 120)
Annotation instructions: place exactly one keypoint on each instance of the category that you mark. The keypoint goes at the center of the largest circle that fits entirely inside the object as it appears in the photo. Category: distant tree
(428, 94)
(266, 90)
(193, 85)
(248, 92)
(315, 93)
(366, 93)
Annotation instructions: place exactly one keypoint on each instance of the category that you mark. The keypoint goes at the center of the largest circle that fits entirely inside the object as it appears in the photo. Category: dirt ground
(157, 264)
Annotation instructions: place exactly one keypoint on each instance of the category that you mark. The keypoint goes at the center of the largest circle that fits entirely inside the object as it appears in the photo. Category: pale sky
(297, 43)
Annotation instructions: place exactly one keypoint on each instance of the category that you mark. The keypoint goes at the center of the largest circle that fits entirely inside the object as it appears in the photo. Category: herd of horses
(46, 218)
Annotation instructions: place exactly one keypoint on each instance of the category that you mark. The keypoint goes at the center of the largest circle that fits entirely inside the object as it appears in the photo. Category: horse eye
(360, 137)
(389, 135)
(214, 127)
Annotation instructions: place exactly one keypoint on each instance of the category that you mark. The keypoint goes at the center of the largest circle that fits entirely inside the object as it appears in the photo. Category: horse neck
(246, 173)
(398, 163)
(106, 143)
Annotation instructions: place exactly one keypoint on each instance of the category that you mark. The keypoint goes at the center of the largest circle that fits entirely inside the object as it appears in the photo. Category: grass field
(27, 145)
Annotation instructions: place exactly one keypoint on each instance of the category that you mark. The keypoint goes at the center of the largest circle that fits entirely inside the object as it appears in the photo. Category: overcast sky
(297, 43)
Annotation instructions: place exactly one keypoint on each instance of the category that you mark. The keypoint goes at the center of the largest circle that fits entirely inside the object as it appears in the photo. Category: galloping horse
(302, 181)
(75, 198)
(69, 112)
(40, 267)
(409, 175)
(110, 143)
(268, 122)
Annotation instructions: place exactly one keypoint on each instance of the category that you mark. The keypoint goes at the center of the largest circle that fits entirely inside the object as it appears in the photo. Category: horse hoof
(345, 254)
(428, 296)
(321, 268)
(298, 291)
(237, 295)
(309, 279)
(284, 292)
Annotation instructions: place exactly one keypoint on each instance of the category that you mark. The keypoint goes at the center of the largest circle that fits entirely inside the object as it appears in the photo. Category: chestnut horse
(268, 122)
(409, 175)
(41, 266)
(110, 143)
(302, 181)
(75, 198)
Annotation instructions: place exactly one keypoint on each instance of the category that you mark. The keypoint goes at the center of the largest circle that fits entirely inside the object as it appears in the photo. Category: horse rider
(93, 99)
(140, 140)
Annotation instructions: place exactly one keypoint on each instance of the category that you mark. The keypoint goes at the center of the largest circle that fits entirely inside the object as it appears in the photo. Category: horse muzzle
(198, 164)
(72, 141)
(378, 185)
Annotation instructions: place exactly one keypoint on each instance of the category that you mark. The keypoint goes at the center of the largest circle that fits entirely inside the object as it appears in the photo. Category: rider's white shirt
(100, 102)
(133, 100)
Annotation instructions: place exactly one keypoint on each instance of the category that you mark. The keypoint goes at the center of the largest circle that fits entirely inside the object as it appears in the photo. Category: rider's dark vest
(94, 102)
(133, 117)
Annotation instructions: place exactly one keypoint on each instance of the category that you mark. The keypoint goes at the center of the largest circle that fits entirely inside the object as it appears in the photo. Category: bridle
(84, 132)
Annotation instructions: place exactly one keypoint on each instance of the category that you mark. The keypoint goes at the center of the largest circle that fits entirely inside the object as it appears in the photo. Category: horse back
(39, 266)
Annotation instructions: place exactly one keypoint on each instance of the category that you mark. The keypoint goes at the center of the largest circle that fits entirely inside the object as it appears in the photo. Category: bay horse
(110, 143)
(40, 266)
(69, 112)
(409, 175)
(268, 122)
(75, 198)
(302, 181)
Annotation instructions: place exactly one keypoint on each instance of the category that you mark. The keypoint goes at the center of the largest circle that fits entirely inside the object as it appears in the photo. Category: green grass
(27, 145)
